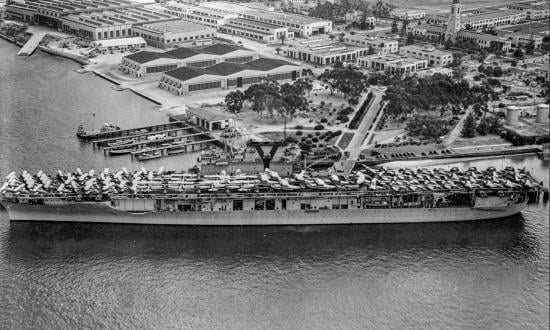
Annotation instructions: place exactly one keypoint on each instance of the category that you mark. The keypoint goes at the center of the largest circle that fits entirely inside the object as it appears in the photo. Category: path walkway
(354, 147)
(456, 131)
(30, 46)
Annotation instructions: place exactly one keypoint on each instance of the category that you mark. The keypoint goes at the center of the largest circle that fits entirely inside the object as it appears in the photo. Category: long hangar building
(226, 75)
(90, 19)
(302, 26)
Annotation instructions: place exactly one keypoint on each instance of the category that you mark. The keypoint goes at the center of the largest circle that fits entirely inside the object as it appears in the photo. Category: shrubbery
(354, 123)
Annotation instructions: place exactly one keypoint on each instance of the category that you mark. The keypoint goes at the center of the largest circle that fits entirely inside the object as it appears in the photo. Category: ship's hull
(103, 213)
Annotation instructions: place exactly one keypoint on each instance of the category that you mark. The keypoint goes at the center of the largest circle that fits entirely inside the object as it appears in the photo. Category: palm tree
(278, 50)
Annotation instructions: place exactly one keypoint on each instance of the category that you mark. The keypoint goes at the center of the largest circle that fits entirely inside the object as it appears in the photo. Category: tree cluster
(334, 11)
(428, 126)
(437, 92)
(491, 71)
(489, 125)
(269, 96)
(348, 80)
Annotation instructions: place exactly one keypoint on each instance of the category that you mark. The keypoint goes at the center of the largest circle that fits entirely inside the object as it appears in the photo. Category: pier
(172, 132)
(126, 133)
(154, 144)
(187, 147)
(171, 138)
(30, 46)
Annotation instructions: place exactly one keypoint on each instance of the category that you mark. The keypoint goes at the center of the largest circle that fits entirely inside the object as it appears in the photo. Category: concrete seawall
(116, 82)
(79, 59)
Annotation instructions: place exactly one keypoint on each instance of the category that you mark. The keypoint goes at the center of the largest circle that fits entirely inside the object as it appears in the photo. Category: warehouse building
(93, 20)
(302, 26)
(259, 31)
(206, 16)
(226, 75)
(146, 63)
(175, 33)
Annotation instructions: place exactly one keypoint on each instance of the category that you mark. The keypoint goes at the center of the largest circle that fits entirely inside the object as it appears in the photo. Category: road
(451, 137)
(354, 147)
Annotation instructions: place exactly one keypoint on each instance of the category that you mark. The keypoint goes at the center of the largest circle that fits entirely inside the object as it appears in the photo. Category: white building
(210, 117)
(324, 53)
(434, 56)
(431, 71)
(146, 63)
(186, 80)
(393, 64)
(121, 44)
(175, 33)
(92, 19)
(202, 15)
(484, 18)
(303, 26)
(259, 31)
(381, 45)
(408, 15)
(533, 10)
(483, 40)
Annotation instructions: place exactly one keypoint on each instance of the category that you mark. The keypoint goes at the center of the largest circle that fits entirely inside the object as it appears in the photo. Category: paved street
(354, 148)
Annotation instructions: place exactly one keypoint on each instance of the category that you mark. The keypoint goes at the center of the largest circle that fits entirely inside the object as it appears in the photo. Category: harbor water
(489, 274)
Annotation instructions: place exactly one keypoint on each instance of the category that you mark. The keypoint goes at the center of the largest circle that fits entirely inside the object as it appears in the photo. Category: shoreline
(118, 83)
(516, 150)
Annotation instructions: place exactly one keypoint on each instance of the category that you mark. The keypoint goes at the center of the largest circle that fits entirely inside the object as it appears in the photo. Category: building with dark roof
(186, 80)
(148, 63)
(89, 19)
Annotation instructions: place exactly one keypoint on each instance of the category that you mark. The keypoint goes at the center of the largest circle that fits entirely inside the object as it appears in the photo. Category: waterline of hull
(102, 213)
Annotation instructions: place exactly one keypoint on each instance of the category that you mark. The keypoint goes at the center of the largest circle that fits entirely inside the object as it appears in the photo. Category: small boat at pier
(149, 155)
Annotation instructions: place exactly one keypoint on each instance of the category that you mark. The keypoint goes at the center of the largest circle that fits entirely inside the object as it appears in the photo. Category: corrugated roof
(183, 52)
(227, 68)
(266, 64)
(185, 73)
(147, 56)
(221, 49)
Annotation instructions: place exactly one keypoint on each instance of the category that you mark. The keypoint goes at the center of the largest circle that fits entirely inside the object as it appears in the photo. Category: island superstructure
(371, 195)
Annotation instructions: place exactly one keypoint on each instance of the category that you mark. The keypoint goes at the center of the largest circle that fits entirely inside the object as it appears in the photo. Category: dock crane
(82, 133)
(80, 130)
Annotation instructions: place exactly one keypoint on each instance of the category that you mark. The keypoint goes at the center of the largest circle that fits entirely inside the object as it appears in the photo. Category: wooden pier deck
(173, 132)
(30, 46)
(148, 143)
(135, 131)
(189, 147)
